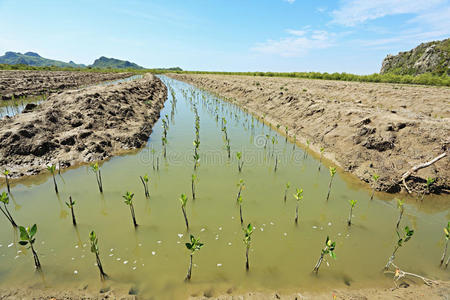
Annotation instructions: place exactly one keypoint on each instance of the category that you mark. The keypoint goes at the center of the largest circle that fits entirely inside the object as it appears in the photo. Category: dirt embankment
(365, 128)
(34, 83)
(80, 126)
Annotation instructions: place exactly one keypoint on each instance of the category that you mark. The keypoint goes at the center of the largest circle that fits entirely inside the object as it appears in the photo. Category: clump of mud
(81, 126)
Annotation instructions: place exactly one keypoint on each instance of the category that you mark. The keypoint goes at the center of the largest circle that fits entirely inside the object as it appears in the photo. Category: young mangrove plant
(352, 205)
(298, 196)
(430, 181)
(375, 178)
(239, 200)
(332, 173)
(70, 205)
(241, 186)
(196, 160)
(240, 162)
(145, 181)
(6, 173)
(129, 201)
(402, 238)
(94, 249)
(52, 169)
(447, 237)
(27, 238)
(401, 209)
(98, 176)
(328, 249)
(322, 149)
(287, 186)
(164, 144)
(183, 200)
(247, 241)
(4, 198)
(194, 177)
(193, 246)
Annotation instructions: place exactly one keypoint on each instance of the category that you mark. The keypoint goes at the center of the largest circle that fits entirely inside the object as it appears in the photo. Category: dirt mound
(81, 126)
(366, 128)
(34, 83)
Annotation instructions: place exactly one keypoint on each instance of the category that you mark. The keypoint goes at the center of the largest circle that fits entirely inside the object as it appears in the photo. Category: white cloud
(354, 12)
(297, 44)
(290, 1)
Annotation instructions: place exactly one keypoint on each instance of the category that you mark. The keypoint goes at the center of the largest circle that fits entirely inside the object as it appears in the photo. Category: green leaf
(23, 233)
(33, 230)
(332, 254)
(23, 243)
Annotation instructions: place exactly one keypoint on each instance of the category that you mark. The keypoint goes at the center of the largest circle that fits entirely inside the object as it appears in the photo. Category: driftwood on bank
(420, 166)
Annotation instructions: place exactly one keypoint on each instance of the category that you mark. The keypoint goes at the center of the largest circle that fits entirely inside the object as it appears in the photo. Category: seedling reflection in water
(328, 249)
(332, 173)
(447, 237)
(6, 173)
(193, 246)
(70, 205)
(402, 238)
(193, 186)
(98, 176)
(322, 149)
(183, 200)
(4, 198)
(288, 185)
(145, 181)
(352, 205)
(298, 196)
(375, 178)
(94, 249)
(401, 209)
(129, 201)
(27, 238)
(52, 169)
(247, 241)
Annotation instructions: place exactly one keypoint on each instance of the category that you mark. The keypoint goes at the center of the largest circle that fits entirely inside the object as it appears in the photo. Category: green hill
(34, 59)
(113, 63)
(432, 57)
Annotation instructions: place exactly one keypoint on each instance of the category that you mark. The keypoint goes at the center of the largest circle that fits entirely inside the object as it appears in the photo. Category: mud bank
(33, 83)
(81, 126)
(365, 128)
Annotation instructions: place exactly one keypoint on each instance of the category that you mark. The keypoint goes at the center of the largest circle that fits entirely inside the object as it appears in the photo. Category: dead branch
(420, 166)
(399, 274)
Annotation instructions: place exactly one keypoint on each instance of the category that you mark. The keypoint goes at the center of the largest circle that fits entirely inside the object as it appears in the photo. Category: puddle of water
(13, 107)
(153, 258)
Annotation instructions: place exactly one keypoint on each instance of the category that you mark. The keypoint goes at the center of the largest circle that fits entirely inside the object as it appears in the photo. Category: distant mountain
(113, 63)
(432, 57)
(34, 59)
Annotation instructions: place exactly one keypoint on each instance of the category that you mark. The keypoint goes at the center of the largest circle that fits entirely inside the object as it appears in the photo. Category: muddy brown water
(153, 259)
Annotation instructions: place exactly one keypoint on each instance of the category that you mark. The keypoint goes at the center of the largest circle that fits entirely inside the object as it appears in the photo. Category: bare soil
(365, 128)
(34, 83)
(80, 126)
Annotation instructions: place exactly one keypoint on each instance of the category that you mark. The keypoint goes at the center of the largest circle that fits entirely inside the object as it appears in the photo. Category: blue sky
(225, 35)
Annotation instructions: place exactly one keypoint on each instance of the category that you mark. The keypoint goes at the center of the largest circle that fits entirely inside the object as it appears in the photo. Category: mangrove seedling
(6, 173)
(196, 160)
(241, 186)
(247, 241)
(183, 200)
(240, 162)
(4, 198)
(430, 181)
(52, 169)
(164, 143)
(94, 249)
(375, 178)
(332, 173)
(240, 209)
(447, 237)
(328, 249)
(145, 181)
(98, 175)
(288, 185)
(322, 149)
(27, 238)
(352, 205)
(129, 201)
(193, 186)
(401, 209)
(193, 246)
(70, 205)
(405, 237)
(298, 196)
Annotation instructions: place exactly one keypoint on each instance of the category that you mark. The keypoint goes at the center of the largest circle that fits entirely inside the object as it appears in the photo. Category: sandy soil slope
(33, 83)
(80, 126)
(365, 128)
